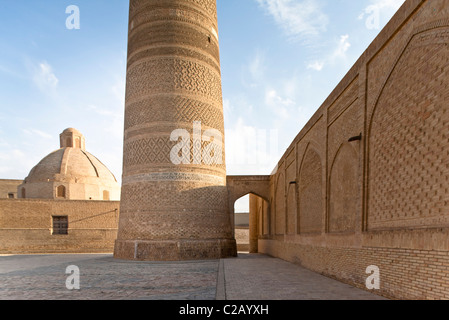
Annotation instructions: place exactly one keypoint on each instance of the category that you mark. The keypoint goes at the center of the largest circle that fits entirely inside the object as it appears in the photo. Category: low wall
(26, 226)
(9, 188)
(410, 265)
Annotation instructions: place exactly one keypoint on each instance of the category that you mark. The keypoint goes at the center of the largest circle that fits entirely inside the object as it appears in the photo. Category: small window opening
(60, 192)
(60, 225)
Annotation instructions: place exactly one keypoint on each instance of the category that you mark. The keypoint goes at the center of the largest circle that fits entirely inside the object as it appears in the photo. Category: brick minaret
(174, 197)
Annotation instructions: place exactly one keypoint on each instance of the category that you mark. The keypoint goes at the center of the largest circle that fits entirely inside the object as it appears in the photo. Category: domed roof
(71, 163)
(71, 130)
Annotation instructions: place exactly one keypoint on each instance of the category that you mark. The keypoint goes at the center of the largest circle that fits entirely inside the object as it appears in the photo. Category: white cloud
(44, 77)
(316, 65)
(341, 48)
(273, 99)
(298, 18)
(256, 66)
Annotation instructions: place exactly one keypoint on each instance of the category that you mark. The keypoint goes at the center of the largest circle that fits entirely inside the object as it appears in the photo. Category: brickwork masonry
(366, 182)
(26, 226)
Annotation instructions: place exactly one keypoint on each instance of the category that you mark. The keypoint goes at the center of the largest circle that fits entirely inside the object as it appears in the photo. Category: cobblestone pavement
(260, 277)
(249, 277)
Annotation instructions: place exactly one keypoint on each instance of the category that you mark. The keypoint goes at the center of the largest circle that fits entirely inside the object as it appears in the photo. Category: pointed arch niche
(310, 193)
(343, 190)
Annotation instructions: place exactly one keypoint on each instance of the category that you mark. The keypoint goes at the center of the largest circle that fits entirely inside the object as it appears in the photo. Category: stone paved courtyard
(248, 277)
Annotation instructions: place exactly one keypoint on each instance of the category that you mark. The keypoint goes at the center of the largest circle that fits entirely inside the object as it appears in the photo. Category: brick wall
(242, 238)
(381, 198)
(9, 187)
(173, 82)
(404, 273)
(26, 226)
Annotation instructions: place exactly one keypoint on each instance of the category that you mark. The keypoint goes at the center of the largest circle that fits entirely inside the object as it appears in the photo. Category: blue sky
(280, 60)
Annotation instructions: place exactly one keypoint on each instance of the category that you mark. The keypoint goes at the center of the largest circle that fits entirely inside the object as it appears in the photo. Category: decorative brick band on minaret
(173, 210)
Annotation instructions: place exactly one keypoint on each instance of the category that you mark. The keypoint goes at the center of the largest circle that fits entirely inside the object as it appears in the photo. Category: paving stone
(248, 277)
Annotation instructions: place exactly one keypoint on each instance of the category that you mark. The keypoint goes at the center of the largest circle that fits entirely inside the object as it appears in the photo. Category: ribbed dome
(71, 130)
(70, 173)
(70, 165)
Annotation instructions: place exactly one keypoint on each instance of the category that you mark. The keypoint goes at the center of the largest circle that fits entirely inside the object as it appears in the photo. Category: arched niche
(310, 193)
(343, 190)
(408, 141)
(279, 223)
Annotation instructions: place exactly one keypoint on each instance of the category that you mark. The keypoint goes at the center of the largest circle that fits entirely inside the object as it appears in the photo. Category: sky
(280, 59)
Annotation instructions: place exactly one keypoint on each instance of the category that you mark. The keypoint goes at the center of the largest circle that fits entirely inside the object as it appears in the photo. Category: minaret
(174, 196)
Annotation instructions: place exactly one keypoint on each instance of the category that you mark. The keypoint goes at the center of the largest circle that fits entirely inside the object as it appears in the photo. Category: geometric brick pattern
(310, 217)
(173, 82)
(151, 150)
(165, 195)
(182, 110)
(409, 145)
(157, 150)
(150, 77)
(385, 195)
(343, 186)
(209, 6)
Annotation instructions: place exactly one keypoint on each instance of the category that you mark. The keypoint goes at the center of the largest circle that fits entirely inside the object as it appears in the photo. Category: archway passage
(258, 188)
(250, 222)
(241, 223)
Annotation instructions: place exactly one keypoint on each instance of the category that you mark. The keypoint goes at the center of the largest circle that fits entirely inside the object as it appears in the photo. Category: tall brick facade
(380, 198)
(170, 210)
